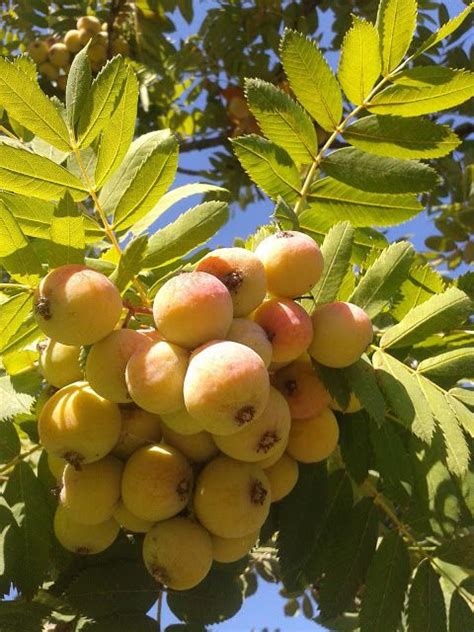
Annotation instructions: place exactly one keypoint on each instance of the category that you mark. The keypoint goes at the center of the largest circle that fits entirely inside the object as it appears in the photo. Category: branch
(115, 8)
(203, 143)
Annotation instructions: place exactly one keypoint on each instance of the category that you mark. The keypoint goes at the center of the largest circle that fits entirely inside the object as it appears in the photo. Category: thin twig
(19, 458)
(159, 608)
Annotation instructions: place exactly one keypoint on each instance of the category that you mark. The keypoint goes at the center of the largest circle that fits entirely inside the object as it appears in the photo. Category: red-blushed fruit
(226, 550)
(293, 263)
(198, 448)
(83, 539)
(341, 334)
(182, 422)
(302, 389)
(75, 305)
(193, 308)
(314, 439)
(226, 387)
(248, 333)
(59, 364)
(287, 326)
(241, 272)
(283, 476)
(139, 428)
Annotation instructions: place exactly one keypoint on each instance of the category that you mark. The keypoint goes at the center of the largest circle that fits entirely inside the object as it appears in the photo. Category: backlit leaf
(396, 23)
(336, 250)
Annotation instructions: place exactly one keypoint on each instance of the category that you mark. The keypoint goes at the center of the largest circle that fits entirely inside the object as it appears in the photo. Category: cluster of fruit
(54, 57)
(188, 431)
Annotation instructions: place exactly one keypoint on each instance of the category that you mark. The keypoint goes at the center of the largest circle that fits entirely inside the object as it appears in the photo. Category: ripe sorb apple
(83, 539)
(198, 448)
(226, 550)
(314, 439)
(302, 389)
(59, 364)
(283, 476)
(139, 428)
(248, 333)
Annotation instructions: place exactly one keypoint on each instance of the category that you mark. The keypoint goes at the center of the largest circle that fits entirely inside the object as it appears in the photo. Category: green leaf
(465, 395)
(146, 172)
(67, 234)
(269, 166)
(24, 101)
(336, 251)
(386, 585)
(335, 382)
(78, 86)
(20, 615)
(360, 63)
(400, 137)
(381, 175)
(426, 610)
(190, 230)
(16, 253)
(100, 102)
(442, 312)
(282, 120)
(338, 202)
(458, 551)
(421, 284)
(26, 335)
(396, 23)
(362, 381)
(122, 622)
(130, 262)
(382, 280)
(445, 30)
(424, 90)
(392, 462)
(118, 133)
(14, 311)
(461, 617)
(10, 445)
(464, 416)
(448, 368)
(311, 79)
(355, 445)
(29, 174)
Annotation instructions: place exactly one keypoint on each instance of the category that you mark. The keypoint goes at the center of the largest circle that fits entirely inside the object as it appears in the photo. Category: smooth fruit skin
(107, 360)
(192, 309)
(59, 55)
(182, 422)
(48, 70)
(120, 46)
(83, 539)
(287, 326)
(262, 438)
(155, 377)
(313, 440)
(241, 272)
(91, 493)
(274, 457)
(226, 387)
(293, 263)
(76, 305)
(178, 553)
(198, 448)
(78, 425)
(56, 466)
(59, 364)
(38, 51)
(128, 521)
(72, 41)
(139, 428)
(232, 499)
(156, 483)
(226, 550)
(283, 476)
(97, 53)
(341, 334)
(248, 333)
(302, 389)
(89, 22)
(353, 406)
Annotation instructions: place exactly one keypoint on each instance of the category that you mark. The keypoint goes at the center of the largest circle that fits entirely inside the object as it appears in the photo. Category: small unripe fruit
(139, 428)
(62, 82)
(178, 553)
(198, 448)
(314, 439)
(76, 305)
(97, 53)
(353, 406)
(107, 360)
(342, 332)
(226, 387)
(232, 499)
(59, 55)
(302, 389)
(226, 550)
(182, 422)
(49, 71)
(129, 522)
(120, 46)
(283, 476)
(241, 272)
(156, 483)
(155, 377)
(81, 538)
(78, 425)
(293, 263)
(56, 466)
(262, 438)
(248, 333)
(72, 40)
(38, 51)
(192, 309)
(89, 22)
(287, 326)
(59, 364)
(91, 493)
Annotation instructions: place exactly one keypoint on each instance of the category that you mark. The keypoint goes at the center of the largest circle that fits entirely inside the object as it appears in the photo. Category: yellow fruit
(178, 553)
(59, 364)
(155, 377)
(139, 428)
(241, 272)
(59, 55)
(232, 499)
(38, 51)
(227, 550)
(314, 439)
(341, 334)
(85, 36)
(283, 476)
(96, 66)
(353, 406)
(302, 389)
(91, 493)
(72, 40)
(198, 448)
(107, 360)
(182, 422)
(76, 305)
(293, 263)
(192, 309)
(97, 53)
(129, 522)
(49, 71)
(262, 438)
(226, 387)
(156, 483)
(78, 425)
(89, 22)
(120, 46)
(248, 333)
(56, 466)
(273, 458)
(83, 539)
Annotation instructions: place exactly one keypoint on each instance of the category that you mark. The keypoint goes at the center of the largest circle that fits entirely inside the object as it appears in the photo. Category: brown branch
(203, 143)
(115, 8)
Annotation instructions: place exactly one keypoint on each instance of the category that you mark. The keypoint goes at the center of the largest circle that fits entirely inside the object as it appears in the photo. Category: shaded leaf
(13, 401)
(448, 368)
(355, 445)
(393, 462)
(461, 616)
(458, 551)
(9, 442)
(426, 609)
(362, 381)
(444, 31)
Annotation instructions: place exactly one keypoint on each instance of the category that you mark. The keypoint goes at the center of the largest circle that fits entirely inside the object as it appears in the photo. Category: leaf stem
(159, 608)
(19, 458)
(16, 286)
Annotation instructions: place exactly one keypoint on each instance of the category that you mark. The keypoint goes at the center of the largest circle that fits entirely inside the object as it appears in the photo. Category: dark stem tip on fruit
(258, 493)
(74, 459)
(284, 234)
(82, 550)
(233, 280)
(267, 441)
(291, 387)
(43, 307)
(245, 415)
(56, 490)
(160, 575)
(183, 488)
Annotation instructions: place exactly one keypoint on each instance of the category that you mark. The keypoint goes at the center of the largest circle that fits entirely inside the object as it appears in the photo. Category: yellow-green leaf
(67, 234)
(16, 253)
(396, 23)
(445, 30)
